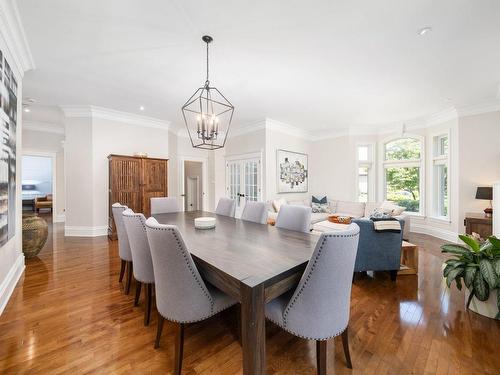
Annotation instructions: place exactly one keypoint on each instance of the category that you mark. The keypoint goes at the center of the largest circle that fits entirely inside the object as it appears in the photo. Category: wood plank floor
(68, 315)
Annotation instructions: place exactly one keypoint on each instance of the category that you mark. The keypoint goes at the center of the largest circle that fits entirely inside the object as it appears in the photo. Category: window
(440, 176)
(402, 172)
(365, 173)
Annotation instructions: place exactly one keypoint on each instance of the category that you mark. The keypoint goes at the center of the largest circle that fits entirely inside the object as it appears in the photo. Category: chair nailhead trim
(315, 261)
(198, 281)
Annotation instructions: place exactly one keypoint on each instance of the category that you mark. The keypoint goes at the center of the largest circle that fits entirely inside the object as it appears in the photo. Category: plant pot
(487, 308)
(35, 233)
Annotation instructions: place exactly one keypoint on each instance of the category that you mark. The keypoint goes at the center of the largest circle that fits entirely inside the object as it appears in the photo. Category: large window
(365, 172)
(440, 176)
(402, 166)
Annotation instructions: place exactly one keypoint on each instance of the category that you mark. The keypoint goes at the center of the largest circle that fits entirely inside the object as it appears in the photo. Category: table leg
(253, 323)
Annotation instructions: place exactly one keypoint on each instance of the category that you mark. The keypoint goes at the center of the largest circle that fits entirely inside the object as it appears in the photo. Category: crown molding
(247, 128)
(12, 31)
(72, 111)
(40, 126)
(477, 109)
(284, 128)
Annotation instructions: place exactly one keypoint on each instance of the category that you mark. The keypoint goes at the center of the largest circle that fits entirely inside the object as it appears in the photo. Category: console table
(478, 223)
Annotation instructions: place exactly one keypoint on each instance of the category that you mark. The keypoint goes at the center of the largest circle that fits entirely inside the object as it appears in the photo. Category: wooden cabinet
(478, 223)
(133, 181)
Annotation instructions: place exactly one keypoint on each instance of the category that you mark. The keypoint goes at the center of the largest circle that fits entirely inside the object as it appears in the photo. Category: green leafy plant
(477, 265)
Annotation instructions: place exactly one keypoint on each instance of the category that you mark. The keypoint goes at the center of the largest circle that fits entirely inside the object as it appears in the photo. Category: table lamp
(485, 192)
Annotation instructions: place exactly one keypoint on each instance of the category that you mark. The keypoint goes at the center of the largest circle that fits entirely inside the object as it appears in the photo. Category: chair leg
(138, 286)
(122, 270)
(179, 348)
(393, 273)
(345, 344)
(321, 359)
(129, 277)
(159, 330)
(147, 312)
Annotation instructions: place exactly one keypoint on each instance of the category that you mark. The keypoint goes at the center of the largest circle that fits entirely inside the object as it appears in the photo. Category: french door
(243, 182)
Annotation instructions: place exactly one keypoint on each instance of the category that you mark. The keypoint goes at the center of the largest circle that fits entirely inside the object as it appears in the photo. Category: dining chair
(226, 207)
(164, 205)
(296, 218)
(123, 245)
(318, 309)
(135, 225)
(255, 211)
(181, 294)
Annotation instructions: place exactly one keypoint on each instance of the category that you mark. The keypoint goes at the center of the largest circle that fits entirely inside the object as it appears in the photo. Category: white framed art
(292, 171)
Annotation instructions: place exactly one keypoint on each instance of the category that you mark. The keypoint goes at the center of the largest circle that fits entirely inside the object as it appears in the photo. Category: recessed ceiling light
(27, 110)
(424, 30)
(141, 108)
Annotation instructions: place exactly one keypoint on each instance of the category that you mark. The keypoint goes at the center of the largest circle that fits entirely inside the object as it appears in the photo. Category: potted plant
(477, 265)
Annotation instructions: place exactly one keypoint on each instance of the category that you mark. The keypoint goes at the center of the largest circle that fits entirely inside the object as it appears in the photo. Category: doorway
(38, 183)
(243, 180)
(193, 185)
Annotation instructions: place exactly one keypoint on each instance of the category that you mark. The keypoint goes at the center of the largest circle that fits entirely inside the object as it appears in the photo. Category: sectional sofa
(354, 209)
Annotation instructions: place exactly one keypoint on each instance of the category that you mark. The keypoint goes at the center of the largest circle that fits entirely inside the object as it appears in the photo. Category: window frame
(420, 163)
(369, 163)
(436, 160)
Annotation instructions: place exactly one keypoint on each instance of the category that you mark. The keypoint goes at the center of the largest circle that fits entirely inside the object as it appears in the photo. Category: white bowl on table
(204, 223)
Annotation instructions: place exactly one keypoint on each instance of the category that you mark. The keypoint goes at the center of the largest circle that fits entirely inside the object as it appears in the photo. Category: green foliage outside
(403, 183)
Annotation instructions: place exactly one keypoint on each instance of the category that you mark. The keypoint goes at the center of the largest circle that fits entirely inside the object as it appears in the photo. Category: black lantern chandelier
(207, 114)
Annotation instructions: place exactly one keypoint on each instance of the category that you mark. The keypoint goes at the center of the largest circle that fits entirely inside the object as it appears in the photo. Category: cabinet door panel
(154, 182)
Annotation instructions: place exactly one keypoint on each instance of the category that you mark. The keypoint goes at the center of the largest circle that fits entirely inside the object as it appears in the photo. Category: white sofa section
(343, 208)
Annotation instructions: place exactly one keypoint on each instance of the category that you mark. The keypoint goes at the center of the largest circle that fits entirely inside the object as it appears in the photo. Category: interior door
(192, 194)
(154, 182)
(243, 182)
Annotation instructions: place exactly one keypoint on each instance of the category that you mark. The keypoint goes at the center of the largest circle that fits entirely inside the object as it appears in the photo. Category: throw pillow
(320, 204)
(390, 208)
(277, 203)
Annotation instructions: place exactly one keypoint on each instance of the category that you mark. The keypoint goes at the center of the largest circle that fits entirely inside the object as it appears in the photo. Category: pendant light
(207, 114)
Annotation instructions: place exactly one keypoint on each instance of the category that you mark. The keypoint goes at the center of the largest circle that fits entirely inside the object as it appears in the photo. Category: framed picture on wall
(292, 170)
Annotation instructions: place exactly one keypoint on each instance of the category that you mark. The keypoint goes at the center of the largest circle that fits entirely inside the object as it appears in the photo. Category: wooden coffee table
(409, 259)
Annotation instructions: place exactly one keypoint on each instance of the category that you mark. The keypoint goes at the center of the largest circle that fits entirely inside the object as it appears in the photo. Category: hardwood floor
(69, 315)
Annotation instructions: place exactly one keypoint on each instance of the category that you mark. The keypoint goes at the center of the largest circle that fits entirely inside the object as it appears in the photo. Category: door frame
(53, 157)
(204, 177)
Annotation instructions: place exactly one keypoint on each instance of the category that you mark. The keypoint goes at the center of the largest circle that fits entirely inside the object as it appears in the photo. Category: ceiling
(314, 65)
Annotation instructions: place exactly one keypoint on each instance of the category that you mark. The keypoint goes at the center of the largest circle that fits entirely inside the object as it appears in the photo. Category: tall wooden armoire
(133, 181)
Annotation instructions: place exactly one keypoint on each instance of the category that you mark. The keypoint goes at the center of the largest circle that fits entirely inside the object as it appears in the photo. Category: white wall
(38, 169)
(89, 141)
(52, 143)
(479, 159)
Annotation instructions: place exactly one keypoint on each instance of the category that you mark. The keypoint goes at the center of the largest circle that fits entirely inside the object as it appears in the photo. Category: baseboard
(77, 231)
(61, 218)
(443, 234)
(10, 282)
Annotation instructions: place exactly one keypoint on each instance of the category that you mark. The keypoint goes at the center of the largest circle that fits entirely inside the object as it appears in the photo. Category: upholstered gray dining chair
(181, 294)
(318, 309)
(255, 211)
(164, 205)
(226, 207)
(296, 218)
(123, 245)
(135, 225)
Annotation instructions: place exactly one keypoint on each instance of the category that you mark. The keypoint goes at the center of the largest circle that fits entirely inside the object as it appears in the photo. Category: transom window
(402, 172)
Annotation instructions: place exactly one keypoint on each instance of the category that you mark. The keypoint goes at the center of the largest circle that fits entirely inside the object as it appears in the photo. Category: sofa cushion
(303, 202)
(353, 209)
(277, 203)
(391, 208)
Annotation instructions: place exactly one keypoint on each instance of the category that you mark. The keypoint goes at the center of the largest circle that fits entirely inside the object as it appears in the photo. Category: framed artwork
(8, 123)
(292, 172)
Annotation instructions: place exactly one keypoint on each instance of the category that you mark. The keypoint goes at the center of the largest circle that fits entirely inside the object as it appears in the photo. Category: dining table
(254, 263)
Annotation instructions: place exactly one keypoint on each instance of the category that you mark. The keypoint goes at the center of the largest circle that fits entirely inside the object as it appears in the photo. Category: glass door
(243, 182)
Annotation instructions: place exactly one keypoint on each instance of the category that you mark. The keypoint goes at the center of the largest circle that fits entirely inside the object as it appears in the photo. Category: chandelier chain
(207, 81)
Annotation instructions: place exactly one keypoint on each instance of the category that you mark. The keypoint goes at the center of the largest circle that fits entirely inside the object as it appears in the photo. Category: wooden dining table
(253, 263)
